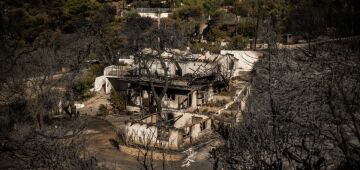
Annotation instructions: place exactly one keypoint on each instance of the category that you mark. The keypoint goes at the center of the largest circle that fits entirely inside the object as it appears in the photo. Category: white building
(154, 13)
(245, 59)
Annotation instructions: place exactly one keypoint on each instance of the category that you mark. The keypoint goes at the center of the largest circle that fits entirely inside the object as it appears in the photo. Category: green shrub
(198, 48)
(188, 12)
(238, 43)
(246, 29)
(216, 34)
(82, 90)
(82, 86)
(102, 111)
(81, 6)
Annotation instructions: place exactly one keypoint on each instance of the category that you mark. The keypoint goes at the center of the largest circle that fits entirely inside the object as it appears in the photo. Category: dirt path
(99, 132)
(91, 106)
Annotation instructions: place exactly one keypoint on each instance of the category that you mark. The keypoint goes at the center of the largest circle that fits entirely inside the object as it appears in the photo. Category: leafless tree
(303, 111)
(148, 43)
(32, 83)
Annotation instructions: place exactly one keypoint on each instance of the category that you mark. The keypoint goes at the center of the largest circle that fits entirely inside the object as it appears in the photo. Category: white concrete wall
(107, 70)
(133, 109)
(156, 66)
(211, 93)
(148, 135)
(174, 142)
(169, 103)
(181, 99)
(141, 134)
(225, 62)
(186, 67)
(145, 134)
(108, 86)
(153, 15)
(195, 131)
(208, 124)
(126, 61)
(246, 59)
(99, 82)
(190, 67)
(194, 99)
(150, 119)
(174, 103)
(175, 139)
(186, 119)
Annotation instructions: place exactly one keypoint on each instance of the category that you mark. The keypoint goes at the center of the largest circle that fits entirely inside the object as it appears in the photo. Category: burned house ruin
(192, 81)
(179, 131)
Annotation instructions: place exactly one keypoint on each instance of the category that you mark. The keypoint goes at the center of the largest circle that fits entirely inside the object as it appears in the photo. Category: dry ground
(100, 130)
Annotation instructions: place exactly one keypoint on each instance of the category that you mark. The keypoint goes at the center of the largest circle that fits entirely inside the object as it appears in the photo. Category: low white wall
(156, 66)
(190, 67)
(246, 59)
(126, 61)
(175, 139)
(133, 109)
(186, 118)
(108, 86)
(107, 70)
(141, 134)
(148, 136)
(154, 15)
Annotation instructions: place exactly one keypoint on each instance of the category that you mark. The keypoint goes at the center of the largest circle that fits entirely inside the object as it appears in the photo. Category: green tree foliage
(220, 27)
(86, 82)
(241, 8)
(216, 34)
(102, 111)
(81, 6)
(199, 48)
(220, 17)
(246, 29)
(309, 18)
(34, 46)
(188, 13)
(238, 42)
(83, 86)
(25, 20)
(196, 9)
(135, 30)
